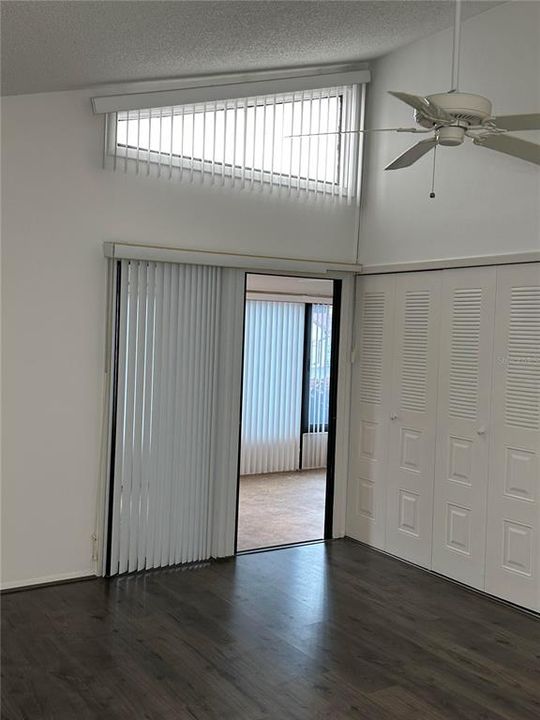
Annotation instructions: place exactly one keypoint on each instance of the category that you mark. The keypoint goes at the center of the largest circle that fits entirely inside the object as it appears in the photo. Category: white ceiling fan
(452, 116)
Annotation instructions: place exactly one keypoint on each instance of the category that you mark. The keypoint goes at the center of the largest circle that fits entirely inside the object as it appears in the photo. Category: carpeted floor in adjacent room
(281, 508)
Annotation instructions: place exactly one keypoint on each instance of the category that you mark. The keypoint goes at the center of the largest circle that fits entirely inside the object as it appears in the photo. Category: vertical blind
(248, 143)
(319, 367)
(315, 436)
(177, 353)
(272, 382)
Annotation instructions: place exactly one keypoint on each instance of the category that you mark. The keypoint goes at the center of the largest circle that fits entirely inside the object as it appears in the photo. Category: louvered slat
(522, 398)
(371, 346)
(464, 353)
(415, 350)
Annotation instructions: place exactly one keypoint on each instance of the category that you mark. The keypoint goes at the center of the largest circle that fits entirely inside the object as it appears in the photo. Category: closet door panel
(413, 417)
(371, 395)
(513, 556)
(463, 424)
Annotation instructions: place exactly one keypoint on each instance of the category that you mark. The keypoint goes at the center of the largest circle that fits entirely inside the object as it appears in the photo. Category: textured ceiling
(49, 45)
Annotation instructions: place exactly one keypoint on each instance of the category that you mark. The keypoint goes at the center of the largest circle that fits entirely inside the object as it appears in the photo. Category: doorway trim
(346, 272)
(332, 412)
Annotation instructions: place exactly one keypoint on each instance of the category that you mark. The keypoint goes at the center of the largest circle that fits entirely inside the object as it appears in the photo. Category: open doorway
(285, 488)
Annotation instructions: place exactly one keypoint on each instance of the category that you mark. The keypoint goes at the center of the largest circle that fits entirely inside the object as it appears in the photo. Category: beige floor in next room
(281, 508)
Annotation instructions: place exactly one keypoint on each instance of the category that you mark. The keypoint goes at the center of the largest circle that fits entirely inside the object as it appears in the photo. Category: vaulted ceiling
(49, 45)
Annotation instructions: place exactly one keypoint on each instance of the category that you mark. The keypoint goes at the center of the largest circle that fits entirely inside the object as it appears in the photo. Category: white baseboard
(47, 579)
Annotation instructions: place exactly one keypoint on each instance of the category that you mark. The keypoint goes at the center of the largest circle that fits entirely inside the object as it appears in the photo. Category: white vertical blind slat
(326, 129)
(350, 143)
(126, 145)
(224, 163)
(171, 144)
(138, 416)
(339, 138)
(162, 459)
(180, 334)
(318, 140)
(235, 141)
(138, 140)
(310, 140)
(244, 141)
(127, 429)
(263, 144)
(211, 414)
(254, 149)
(214, 129)
(154, 487)
(149, 144)
(182, 136)
(300, 142)
(196, 438)
(291, 141)
(193, 127)
(114, 139)
(160, 140)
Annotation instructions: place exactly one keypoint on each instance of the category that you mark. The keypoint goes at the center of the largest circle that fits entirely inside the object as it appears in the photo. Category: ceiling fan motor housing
(466, 109)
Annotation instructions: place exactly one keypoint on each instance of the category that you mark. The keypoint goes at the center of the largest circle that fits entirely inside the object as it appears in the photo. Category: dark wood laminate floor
(324, 631)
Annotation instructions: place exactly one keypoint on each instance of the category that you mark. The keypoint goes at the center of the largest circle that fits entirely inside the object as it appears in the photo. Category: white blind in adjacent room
(176, 418)
(272, 386)
(248, 142)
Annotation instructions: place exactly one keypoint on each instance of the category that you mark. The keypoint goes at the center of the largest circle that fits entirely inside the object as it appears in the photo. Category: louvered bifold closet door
(176, 330)
(463, 425)
(370, 409)
(272, 387)
(513, 538)
(413, 417)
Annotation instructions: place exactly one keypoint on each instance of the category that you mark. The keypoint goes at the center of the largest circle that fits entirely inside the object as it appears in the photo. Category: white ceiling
(51, 45)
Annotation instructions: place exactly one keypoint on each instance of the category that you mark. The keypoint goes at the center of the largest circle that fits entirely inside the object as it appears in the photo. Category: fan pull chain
(432, 193)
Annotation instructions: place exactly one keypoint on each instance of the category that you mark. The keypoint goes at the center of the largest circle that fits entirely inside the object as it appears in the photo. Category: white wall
(58, 208)
(486, 202)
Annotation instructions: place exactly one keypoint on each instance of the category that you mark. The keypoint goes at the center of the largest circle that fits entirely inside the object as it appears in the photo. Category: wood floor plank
(333, 631)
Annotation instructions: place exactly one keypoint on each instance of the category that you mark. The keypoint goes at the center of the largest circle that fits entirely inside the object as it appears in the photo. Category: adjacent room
(283, 488)
(270, 359)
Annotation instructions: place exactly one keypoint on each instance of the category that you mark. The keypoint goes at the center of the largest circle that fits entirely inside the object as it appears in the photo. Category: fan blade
(428, 108)
(411, 155)
(518, 122)
(356, 132)
(511, 146)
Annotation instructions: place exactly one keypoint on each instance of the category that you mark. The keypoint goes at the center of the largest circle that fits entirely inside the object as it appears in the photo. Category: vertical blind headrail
(187, 91)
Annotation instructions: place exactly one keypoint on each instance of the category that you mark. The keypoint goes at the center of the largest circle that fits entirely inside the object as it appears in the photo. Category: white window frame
(348, 170)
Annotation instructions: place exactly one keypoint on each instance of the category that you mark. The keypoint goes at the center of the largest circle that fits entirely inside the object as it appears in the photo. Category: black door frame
(332, 415)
